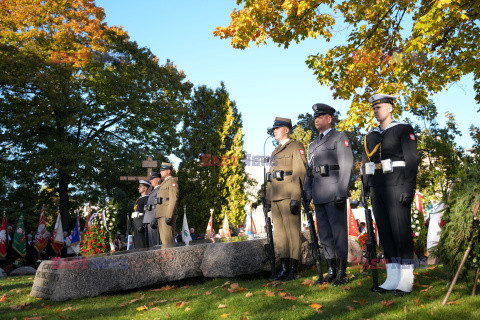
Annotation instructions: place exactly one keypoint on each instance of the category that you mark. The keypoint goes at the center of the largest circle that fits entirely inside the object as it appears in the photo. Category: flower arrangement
(419, 232)
(362, 240)
(97, 239)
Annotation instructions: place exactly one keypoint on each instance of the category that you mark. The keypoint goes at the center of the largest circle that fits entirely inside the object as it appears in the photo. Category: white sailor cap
(145, 183)
(381, 98)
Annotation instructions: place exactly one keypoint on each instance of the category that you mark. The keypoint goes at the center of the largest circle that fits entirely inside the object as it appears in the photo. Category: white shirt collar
(284, 141)
(326, 131)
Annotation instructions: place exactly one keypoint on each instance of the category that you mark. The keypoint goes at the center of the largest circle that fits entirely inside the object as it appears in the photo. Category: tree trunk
(63, 181)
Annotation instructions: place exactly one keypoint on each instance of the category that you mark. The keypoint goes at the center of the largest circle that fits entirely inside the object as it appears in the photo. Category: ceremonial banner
(57, 237)
(226, 227)
(41, 235)
(185, 230)
(209, 233)
(75, 242)
(352, 223)
(419, 201)
(3, 237)
(19, 240)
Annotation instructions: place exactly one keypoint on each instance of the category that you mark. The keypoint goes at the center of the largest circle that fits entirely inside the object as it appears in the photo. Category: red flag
(3, 237)
(226, 227)
(419, 201)
(57, 237)
(41, 236)
(352, 223)
(209, 233)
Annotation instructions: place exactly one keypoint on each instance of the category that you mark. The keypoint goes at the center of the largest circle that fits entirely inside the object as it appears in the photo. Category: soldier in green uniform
(287, 165)
(166, 209)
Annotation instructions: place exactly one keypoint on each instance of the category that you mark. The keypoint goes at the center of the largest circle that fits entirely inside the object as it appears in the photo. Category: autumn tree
(80, 103)
(212, 174)
(409, 48)
(441, 159)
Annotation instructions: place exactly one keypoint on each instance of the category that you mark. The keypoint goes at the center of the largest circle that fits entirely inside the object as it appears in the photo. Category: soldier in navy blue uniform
(329, 170)
(137, 215)
(149, 221)
(389, 169)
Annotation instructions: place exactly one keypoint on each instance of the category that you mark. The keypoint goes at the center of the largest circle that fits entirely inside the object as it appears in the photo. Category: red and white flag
(419, 201)
(3, 237)
(352, 223)
(41, 236)
(209, 233)
(57, 237)
(226, 227)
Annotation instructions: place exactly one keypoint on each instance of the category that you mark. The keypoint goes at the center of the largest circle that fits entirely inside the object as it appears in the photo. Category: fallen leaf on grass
(188, 309)
(308, 283)
(220, 306)
(34, 318)
(346, 288)
(350, 308)
(425, 290)
(269, 293)
(361, 301)
(70, 308)
(3, 298)
(452, 302)
(164, 288)
(225, 315)
(405, 309)
(208, 293)
(142, 308)
(323, 286)
(180, 304)
(234, 287)
(301, 297)
(386, 303)
(359, 283)
(417, 302)
(316, 306)
(248, 294)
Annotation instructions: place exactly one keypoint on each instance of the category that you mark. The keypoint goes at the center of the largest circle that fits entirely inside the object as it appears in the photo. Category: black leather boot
(283, 271)
(332, 270)
(292, 275)
(342, 277)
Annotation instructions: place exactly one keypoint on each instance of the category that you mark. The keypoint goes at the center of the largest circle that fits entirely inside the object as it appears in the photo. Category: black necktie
(321, 136)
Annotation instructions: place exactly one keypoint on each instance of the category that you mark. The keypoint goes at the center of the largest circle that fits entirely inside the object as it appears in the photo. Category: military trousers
(332, 230)
(286, 236)
(138, 237)
(393, 223)
(153, 238)
(166, 232)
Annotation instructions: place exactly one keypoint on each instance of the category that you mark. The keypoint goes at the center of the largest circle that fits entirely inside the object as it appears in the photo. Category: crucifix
(149, 164)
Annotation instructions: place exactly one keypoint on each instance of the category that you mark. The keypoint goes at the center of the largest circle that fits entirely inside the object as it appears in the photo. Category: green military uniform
(287, 166)
(166, 209)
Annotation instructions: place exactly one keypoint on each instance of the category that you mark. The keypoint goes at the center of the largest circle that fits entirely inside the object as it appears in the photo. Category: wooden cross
(149, 164)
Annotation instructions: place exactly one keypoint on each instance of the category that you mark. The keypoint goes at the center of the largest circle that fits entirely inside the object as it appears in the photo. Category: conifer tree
(211, 174)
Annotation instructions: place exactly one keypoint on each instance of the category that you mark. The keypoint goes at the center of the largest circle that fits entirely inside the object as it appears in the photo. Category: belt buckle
(378, 166)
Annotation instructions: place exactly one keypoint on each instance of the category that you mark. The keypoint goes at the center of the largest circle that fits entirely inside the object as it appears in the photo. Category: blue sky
(265, 82)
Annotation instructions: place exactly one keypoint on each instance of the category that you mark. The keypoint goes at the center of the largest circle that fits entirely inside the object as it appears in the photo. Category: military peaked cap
(319, 109)
(145, 183)
(155, 175)
(282, 122)
(166, 166)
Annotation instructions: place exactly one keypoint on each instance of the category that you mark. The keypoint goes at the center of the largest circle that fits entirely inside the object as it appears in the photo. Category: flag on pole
(352, 223)
(208, 233)
(186, 237)
(57, 237)
(3, 237)
(75, 242)
(249, 222)
(41, 235)
(226, 227)
(19, 240)
(419, 201)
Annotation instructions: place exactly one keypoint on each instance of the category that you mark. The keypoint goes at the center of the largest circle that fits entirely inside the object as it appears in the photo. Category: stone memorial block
(91, 276)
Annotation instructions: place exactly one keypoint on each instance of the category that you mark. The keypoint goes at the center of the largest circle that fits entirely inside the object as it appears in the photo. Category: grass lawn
(253, 299)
